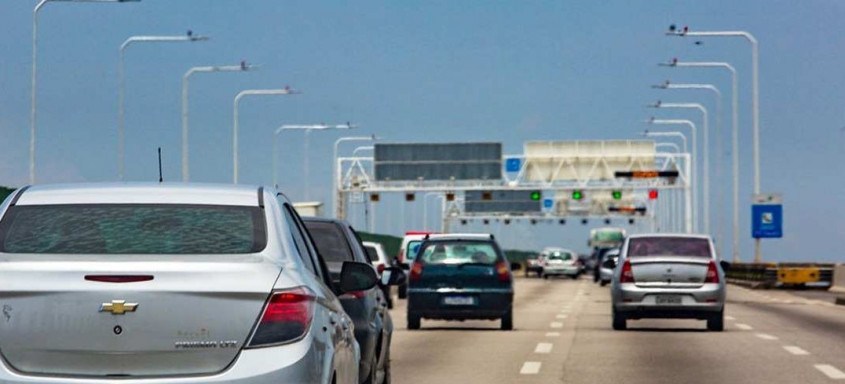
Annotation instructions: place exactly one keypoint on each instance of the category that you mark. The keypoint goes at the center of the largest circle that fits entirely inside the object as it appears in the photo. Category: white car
(407, 252)
(153, 283)
(378, 257)
(560, 262)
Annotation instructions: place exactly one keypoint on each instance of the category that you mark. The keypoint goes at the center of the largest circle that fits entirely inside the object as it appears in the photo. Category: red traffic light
(653, 194)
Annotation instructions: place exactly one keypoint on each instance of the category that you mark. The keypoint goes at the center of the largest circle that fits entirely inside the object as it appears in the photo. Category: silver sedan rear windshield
(132, 229)
(668, 246)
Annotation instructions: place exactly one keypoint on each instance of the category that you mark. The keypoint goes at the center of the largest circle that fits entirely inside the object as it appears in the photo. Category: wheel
(716, 323)
(386, 367)
(414, 321)
(371, 378)
(603, 283)
(507, 320)
(545, 276)
(619, 322)
(403, 291)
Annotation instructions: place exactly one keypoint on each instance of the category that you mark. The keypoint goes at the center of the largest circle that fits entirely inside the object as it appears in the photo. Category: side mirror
(356, 276)
(393, 276)
(516, 266)
(609, 263)
(404, 266)
(726, 266)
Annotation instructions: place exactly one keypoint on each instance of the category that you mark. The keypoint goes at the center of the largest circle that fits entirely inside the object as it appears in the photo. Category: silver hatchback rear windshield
(669, 246)
(132, 229)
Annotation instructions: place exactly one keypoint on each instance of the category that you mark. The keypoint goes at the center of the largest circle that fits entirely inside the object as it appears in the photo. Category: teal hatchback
(460, 277)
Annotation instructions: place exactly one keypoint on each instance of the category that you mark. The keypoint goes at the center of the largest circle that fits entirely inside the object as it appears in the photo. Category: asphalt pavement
(562, 335)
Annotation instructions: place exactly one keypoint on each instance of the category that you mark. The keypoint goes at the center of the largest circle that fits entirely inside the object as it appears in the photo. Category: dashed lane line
(544, 348)
(730, 318)
(530, 368)
(556, 324)
(766, 336)
(552, 334)
(831, 371)
(561, 316)
(797, 351)
(744, 327)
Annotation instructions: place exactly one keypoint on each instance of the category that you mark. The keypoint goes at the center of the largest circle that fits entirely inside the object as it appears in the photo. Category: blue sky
(426, 71)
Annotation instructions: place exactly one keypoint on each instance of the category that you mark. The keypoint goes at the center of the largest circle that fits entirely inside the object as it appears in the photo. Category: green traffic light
(536, 195)
(617, 195)
(577, 195)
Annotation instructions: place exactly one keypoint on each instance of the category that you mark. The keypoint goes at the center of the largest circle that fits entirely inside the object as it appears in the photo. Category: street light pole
(668, 216)
(734, 137)
(706, 145)
(340, 212)
(33, 98)
(121, 126)
(243, 67)
(693, 200)
(235, 124)
(755, 101)
(307, 129)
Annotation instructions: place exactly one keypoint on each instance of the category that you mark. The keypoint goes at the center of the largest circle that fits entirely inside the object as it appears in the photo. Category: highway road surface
(563, 335)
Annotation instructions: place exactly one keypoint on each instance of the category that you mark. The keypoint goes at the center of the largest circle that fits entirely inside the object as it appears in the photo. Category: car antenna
(160, 177)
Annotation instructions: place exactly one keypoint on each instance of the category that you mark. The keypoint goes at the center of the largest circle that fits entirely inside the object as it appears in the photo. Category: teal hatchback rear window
(459, 252)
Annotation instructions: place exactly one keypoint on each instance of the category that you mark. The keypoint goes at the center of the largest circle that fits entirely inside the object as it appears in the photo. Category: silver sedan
(668, 276)
(158, 283)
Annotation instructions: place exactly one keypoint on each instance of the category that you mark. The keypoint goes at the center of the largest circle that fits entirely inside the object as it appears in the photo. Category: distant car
(560, 262)
(337, 243)
(460, 277)
(407, 251)
(149, 282)
(609, 262)
(669, 276)
(534, 266)
(378, 257)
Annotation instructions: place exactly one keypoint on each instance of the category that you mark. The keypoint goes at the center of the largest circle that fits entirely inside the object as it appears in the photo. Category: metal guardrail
(771, 275)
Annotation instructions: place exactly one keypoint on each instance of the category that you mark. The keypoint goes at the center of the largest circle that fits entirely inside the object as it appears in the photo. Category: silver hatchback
(668, 276)
(158, 283)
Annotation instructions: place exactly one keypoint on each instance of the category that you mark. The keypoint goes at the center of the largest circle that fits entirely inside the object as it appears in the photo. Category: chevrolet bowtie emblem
(118, 307)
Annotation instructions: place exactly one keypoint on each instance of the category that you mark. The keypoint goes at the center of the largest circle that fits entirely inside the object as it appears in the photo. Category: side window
(299, 241)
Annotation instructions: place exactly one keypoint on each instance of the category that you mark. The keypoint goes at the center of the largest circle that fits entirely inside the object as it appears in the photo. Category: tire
(716, 323)
(386, 367)
(414, 321)
(403, 291)
(603, 283)
(507, 321)
(619, 322)
(371, 378)
(545, 276)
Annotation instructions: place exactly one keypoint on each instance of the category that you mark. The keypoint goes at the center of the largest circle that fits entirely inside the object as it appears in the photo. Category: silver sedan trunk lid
(191, 318)
(669, 271)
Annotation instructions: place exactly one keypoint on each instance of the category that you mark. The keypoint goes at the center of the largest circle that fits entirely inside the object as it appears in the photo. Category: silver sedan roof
(140, 193)
(686, 235)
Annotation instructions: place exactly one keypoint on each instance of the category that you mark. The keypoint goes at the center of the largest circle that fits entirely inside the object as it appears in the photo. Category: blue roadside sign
(767, 220)
(513, 164)
(548, 203)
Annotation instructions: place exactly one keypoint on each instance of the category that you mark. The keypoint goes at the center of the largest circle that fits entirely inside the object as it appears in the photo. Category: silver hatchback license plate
(458, 300)
(668, 300)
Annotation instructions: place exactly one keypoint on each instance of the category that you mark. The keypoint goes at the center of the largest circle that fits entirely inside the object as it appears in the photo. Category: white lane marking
(530, 368)
(766, 336)
(744, 327)
(552, 334)
(830, 371)
(543, 348)
(795, 350)
(556, 324)
(561, 316)
(730, 318)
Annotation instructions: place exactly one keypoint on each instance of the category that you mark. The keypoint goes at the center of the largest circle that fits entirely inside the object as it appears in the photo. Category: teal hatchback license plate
(459, 300)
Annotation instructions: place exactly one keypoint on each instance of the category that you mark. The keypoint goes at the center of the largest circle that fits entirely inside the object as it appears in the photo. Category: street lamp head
(663, 85)
(656, 104)
(670, 63)
(675, 31)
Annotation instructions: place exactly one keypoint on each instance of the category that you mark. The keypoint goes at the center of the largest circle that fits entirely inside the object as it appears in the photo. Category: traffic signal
(486, 195)
(562, 221)
(486, 222)
(410, 196)
(617, 195)
(374, 197)
(450, 196)
(536, 195)
(507, 221)
(653, 194)
(577, 194)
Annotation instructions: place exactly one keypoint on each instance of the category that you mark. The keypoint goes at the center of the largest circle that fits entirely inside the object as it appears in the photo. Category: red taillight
(502, 272)
(712, 273)
(380, 268)
(286, 317)
(416, 272)
(118, 278)
(354, 295)
(627, 273)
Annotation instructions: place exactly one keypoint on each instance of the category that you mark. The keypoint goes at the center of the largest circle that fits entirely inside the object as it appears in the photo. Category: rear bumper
(297, 362)
(487, 304)
(699, 303)
(562, 270)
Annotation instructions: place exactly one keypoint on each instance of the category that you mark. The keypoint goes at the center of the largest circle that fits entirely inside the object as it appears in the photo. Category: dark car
(460, 277)
(337, 243)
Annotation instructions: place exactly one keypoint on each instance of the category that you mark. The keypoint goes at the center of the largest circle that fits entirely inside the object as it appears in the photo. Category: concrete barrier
(838, 284)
